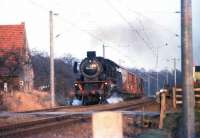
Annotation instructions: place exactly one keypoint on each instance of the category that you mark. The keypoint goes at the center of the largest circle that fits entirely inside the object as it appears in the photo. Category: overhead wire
(82, 30)
(140, 22)
(139, 13)
(67, 21)
(42, 7)
(148, 18)
(89, 33)
(124, 55)
(94, 36)
(143, 29)
(130, 26)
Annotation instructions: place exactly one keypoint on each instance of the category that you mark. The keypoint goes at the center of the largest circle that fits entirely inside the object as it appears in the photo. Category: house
(16, 71)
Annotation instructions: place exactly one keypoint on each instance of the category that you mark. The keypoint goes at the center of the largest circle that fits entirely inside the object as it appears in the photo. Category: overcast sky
(132, 30)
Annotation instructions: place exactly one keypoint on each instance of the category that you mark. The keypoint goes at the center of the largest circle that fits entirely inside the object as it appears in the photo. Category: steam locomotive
(100, 78)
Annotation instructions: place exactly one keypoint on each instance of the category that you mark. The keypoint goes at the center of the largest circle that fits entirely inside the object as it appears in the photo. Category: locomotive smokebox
(91, 54)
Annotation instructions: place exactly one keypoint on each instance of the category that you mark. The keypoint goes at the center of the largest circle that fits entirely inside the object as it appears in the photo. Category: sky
(131, 30)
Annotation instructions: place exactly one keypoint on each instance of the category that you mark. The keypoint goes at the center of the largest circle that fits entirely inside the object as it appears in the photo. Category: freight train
(100, 78)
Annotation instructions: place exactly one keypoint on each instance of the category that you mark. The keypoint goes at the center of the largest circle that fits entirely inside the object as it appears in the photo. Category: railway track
(66, 115)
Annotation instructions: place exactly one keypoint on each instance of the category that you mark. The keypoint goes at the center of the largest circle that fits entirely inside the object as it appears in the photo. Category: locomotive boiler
(99, 78)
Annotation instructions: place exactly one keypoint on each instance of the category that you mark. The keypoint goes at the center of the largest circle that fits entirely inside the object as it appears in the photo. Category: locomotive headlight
(75, 84)
(106, 83)
(93, 66)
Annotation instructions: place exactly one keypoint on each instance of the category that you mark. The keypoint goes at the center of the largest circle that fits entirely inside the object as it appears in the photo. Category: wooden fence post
(197, 96)
(174, 97)
(162, 108)
(107, 125)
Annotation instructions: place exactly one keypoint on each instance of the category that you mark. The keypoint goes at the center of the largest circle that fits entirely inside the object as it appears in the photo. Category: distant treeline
(64, 76)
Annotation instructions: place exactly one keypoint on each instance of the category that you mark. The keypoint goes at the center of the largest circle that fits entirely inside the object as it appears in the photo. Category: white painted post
(5, 86)
(107, 125)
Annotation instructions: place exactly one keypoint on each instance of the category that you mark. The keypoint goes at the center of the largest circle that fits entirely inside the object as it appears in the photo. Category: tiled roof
(12, 36)
(12, 40)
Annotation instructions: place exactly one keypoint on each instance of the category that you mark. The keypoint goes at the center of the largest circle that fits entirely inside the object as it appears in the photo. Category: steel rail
(39, 124)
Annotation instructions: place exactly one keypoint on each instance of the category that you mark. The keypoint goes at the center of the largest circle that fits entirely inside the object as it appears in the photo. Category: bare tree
(10, 66)
(64, 76)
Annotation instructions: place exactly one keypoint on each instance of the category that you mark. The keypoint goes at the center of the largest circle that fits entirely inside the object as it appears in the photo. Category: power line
(120, 52)
(130, 25)
(145, 33)
(67, 21)
(80, 29)
(44, 8)
(142, 15)
(148, 18)
(87, 32)
(140, 22)
(135, 30)
(143, 28)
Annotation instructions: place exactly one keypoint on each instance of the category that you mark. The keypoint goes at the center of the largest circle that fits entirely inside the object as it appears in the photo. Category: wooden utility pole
(186, 51)
(52, 85)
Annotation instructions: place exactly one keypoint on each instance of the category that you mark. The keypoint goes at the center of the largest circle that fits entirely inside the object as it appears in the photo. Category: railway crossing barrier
(178, 96)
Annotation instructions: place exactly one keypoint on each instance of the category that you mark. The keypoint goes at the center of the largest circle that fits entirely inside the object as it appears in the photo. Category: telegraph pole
(52, 85)
(149, 85)
(186, 51)
(167, 73)
(167, 77)
(157, 79)
(103, 51)
(174, 60)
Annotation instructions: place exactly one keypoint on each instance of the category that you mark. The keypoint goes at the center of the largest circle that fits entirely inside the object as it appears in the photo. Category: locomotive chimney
(91, 54)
